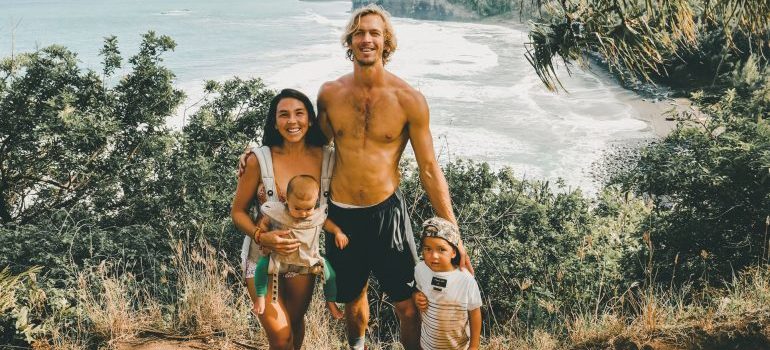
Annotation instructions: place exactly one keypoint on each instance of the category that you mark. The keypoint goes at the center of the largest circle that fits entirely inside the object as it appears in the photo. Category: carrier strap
(265, 158)
(327, 168)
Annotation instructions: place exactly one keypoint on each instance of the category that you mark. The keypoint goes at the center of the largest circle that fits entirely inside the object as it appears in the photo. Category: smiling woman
(285, 106)
(292, 145)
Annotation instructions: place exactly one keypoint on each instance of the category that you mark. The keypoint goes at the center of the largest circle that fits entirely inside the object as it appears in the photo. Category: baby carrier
(250, 250)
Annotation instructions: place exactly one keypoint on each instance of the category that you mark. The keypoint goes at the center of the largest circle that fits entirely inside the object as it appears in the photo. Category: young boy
(299, 215)
(452, 318)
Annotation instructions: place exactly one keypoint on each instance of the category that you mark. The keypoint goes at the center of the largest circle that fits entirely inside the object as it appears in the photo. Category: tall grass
(114, 310)
(210, 298)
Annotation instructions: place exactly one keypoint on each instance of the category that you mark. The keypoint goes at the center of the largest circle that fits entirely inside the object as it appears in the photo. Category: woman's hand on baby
(341, 240)
(277, 242)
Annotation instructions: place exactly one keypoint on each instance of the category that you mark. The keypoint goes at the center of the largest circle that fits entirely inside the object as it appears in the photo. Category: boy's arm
(420, 300)
(475, 319)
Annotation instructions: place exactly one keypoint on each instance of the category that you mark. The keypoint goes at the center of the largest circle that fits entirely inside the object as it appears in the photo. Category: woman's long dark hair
(314, 136)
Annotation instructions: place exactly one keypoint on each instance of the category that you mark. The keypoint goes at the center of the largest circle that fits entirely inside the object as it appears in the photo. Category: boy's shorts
(381, 242)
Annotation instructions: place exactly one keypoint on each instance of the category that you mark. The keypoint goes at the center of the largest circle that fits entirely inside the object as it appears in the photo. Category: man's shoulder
(408, 97)
(401, 87)
(333, 86)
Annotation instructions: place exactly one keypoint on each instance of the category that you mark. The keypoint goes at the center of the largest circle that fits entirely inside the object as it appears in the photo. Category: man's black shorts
(381, 242)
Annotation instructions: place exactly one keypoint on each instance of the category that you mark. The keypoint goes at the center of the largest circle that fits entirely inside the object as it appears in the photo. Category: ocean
(486, 102)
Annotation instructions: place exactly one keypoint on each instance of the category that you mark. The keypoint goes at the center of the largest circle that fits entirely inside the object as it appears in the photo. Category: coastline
(654, 112)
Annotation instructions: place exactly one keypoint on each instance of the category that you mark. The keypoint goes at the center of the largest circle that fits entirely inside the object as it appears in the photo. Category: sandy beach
(659, 114)
(656, 113)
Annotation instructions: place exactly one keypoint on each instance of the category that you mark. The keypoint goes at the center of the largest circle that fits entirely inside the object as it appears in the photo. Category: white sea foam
(311, 15)
(427, 48)
(183, 12)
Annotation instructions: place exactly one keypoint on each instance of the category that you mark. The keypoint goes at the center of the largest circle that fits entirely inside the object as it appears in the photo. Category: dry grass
(735, 317)
(209, 305)
(208, 302)
(509, 339)
(594, 330)
(321, 331)
(109, 303)
(117, 310)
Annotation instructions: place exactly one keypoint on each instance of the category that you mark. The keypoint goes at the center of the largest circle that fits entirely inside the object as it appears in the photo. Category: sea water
(486, 102)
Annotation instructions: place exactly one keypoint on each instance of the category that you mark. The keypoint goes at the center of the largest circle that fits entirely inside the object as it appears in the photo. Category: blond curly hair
(355, 20)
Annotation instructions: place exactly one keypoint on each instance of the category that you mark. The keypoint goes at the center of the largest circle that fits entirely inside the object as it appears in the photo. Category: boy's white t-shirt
(451, 295)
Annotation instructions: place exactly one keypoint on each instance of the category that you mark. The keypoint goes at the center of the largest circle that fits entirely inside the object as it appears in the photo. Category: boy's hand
(420, 300)
(341, 240)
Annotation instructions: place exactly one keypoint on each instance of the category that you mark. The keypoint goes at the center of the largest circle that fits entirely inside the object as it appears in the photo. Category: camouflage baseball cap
(441, 228)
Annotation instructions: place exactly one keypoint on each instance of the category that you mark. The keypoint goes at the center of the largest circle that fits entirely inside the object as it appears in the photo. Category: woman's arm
(244, 195)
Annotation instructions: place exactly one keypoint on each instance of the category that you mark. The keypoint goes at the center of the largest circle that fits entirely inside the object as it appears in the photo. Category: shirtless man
(370, 115)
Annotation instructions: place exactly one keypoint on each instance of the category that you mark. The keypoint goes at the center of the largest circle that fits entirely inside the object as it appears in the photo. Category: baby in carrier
(299, 215)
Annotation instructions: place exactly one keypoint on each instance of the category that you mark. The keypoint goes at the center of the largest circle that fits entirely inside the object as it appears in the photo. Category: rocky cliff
(422, 9)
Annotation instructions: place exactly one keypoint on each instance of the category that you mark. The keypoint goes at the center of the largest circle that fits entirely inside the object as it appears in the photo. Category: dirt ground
(166, 344)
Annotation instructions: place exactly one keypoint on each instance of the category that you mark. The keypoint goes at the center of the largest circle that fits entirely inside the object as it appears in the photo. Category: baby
(299, 215)
(451, 319)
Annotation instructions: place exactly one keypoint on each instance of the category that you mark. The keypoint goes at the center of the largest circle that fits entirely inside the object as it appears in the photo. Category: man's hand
(465, 260)
(242, 159)
(421, 301)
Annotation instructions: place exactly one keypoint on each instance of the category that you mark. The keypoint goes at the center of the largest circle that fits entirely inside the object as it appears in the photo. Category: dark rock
(421, 9)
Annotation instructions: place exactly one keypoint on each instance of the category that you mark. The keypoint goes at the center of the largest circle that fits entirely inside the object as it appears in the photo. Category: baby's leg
(260, 284)
(259, 305)
(330, 290)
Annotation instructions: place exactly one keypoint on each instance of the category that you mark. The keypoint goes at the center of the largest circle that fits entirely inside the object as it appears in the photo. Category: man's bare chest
(380, 119)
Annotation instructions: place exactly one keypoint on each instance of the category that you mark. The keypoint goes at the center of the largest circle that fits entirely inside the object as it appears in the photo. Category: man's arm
(431, 175)
(323, 116)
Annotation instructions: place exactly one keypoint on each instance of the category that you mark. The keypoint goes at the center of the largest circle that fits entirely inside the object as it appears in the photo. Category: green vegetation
(91, 172)
(709, 179)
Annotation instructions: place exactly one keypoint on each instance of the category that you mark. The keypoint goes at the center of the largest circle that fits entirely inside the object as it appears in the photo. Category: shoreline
(654, 112)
